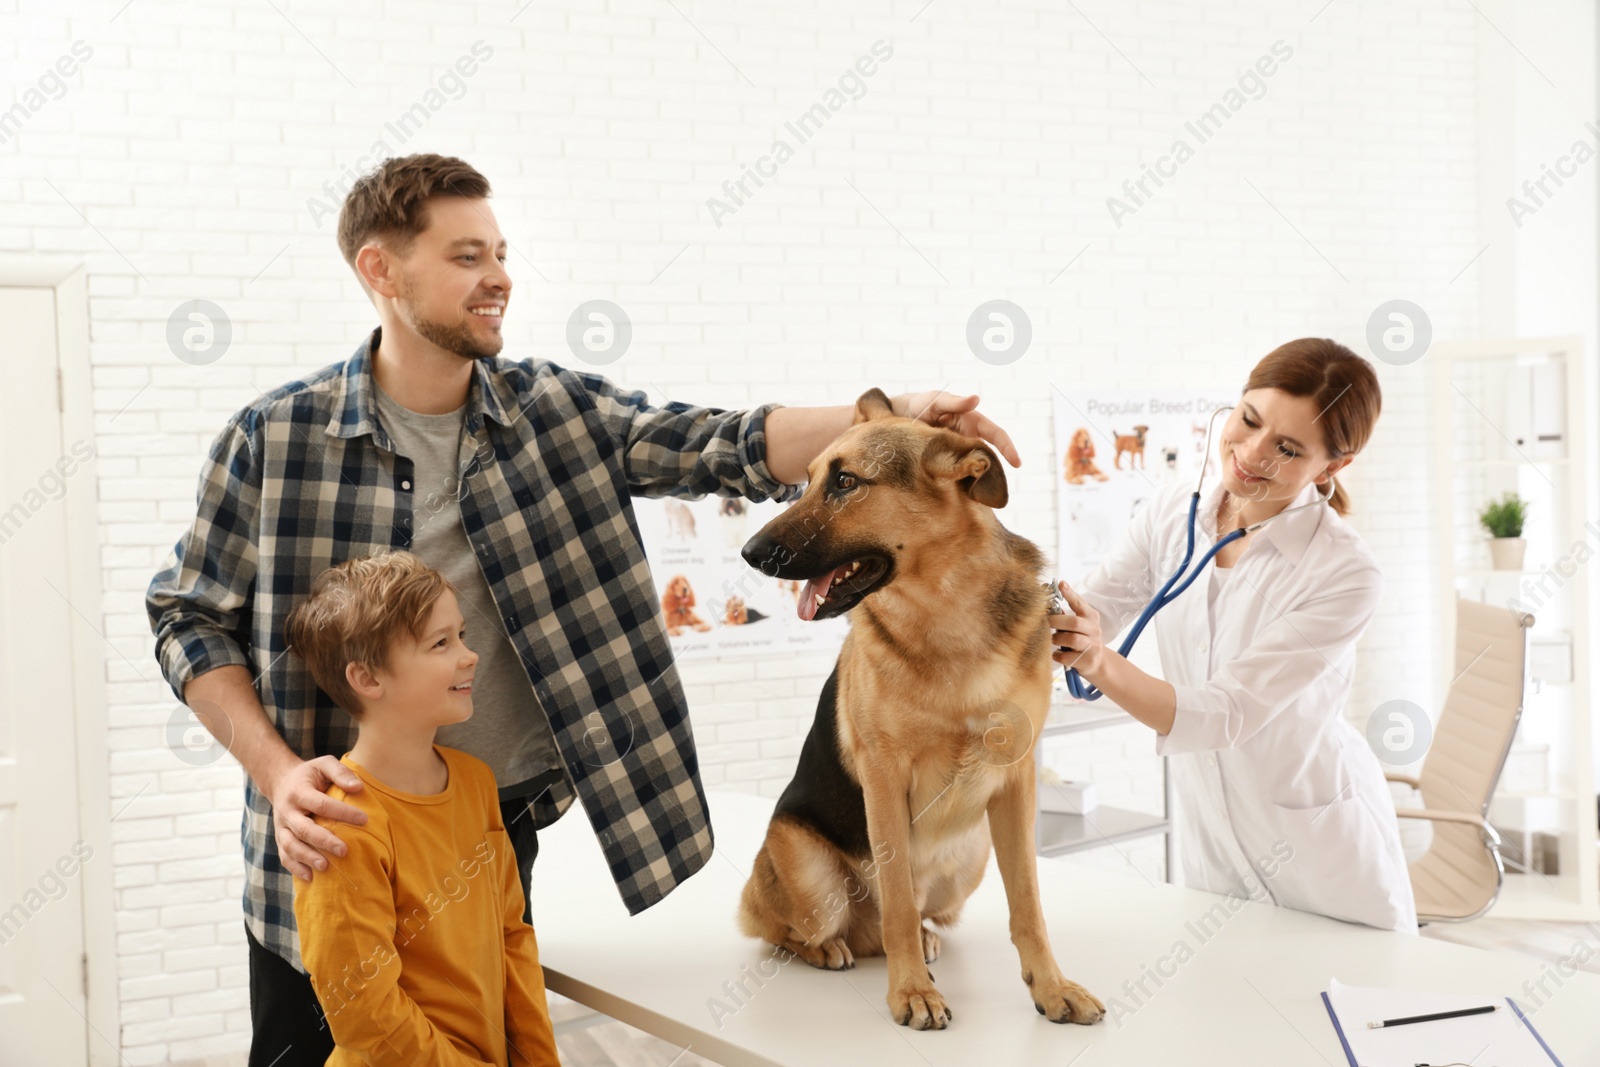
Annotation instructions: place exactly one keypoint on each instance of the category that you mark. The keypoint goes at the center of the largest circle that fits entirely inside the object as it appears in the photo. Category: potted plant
(1503, 519)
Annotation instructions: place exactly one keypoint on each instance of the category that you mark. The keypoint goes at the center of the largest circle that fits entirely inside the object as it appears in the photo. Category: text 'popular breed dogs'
(921, 752)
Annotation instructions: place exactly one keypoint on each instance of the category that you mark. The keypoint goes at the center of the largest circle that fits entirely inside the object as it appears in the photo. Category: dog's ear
(872, 404)
(968, 462)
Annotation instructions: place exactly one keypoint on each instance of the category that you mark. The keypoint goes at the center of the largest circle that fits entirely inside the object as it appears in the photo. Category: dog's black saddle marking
(822, 795)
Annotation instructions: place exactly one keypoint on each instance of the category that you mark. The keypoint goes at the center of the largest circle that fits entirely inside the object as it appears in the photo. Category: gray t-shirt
(508, 729)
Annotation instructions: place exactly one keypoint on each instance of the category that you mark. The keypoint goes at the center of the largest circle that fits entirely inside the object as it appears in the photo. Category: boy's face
(429, 681)
(452, 287)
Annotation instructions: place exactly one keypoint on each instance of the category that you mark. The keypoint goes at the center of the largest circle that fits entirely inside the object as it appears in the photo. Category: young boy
(414, 939)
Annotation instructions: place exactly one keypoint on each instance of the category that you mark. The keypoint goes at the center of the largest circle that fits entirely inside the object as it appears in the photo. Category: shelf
(1073, 718)
(1059, 835)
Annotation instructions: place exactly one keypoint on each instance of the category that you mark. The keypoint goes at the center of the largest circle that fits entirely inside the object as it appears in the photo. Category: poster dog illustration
(1132, 444)
(677, 604)
(1080, 459)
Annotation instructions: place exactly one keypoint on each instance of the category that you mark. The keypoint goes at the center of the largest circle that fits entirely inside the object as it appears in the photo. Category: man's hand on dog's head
(959, 413)
(297, 793)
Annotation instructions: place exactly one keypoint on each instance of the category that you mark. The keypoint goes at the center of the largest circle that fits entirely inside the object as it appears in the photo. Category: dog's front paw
(919, 1006)
(830, 955)
(1062, 1001)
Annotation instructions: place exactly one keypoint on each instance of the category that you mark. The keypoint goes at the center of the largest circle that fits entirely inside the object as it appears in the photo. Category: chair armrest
(1452, 816)
(1403, 779)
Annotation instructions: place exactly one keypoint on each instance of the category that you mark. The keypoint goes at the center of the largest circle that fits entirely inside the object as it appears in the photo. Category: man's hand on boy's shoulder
(298, 792)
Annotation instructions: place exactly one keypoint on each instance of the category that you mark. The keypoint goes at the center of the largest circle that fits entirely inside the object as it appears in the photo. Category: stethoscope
(1083, 690)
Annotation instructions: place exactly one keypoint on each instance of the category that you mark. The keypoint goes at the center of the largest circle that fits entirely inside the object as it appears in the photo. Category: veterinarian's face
(1272, 447)
(430, 680)
(453, 286)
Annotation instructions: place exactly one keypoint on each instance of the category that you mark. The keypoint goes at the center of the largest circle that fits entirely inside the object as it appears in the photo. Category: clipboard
(1504, 1038)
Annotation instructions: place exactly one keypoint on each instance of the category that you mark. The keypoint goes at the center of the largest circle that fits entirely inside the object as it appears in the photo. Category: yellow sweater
(415, 941)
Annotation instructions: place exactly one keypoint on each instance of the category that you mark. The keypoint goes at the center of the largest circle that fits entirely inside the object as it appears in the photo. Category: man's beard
(457, 338)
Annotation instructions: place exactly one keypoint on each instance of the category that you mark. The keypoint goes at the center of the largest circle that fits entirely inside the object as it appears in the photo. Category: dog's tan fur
(942, 685)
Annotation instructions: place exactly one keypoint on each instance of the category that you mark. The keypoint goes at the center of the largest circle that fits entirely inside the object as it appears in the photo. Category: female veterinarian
(1275, 788)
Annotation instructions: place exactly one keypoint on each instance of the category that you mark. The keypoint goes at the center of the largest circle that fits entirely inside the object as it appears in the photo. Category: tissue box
(1066, 798)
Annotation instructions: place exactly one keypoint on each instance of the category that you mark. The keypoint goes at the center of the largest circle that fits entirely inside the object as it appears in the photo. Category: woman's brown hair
(1340, 383)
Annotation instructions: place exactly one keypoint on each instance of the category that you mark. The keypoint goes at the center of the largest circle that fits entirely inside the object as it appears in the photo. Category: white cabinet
(1515, 416)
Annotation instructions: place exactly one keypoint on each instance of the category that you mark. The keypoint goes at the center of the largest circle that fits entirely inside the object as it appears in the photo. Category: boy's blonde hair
(356, 611)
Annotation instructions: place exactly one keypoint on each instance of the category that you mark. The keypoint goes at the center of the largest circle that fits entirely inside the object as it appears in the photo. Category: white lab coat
(1264, 763)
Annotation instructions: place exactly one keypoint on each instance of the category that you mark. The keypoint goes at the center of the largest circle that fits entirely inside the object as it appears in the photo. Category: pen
(1431, 1018)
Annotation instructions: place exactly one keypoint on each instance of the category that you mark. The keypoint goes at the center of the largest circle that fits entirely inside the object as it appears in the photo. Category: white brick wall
(180, 161)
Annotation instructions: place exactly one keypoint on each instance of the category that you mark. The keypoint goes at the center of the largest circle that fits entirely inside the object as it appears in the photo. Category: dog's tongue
(814, 588)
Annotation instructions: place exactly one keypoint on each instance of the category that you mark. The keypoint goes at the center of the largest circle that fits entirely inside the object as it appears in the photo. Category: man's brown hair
(356, 611)
(390, 202)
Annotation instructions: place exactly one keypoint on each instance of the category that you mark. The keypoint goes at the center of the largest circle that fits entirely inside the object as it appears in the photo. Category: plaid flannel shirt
(305, 477)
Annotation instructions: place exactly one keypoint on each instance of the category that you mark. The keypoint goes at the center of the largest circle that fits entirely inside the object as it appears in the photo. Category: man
(515, 481)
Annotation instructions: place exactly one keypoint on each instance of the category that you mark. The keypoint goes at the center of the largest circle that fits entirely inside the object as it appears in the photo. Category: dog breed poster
(716, 604)
(1114, 448)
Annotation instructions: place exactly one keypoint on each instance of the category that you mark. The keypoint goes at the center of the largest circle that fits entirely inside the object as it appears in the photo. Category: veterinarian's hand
(296, 795)
(1076, 637)
(959, 413)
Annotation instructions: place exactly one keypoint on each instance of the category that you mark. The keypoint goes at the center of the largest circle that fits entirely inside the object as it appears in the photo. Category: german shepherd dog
(926, 725)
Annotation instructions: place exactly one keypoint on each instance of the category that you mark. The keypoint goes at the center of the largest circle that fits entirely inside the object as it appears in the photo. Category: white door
(42, 997)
